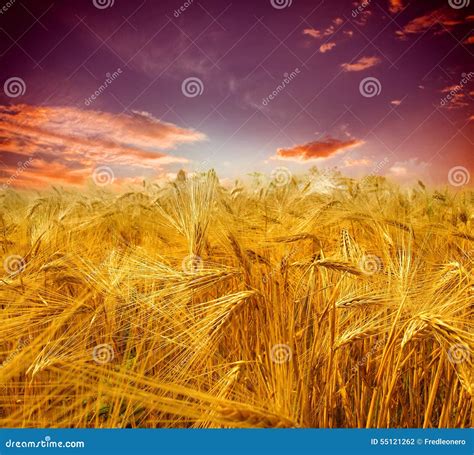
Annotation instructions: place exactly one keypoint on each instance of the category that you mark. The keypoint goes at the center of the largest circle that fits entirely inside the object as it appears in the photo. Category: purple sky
(240, 52)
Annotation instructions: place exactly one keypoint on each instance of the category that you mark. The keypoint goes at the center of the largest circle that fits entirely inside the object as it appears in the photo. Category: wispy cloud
(408, 171)
(457, 98)
(72, 142)
(439, 20)
(360, 65)
(357, 162)
(326, 47)
(312, 32)
(318, 34)
(317, 149)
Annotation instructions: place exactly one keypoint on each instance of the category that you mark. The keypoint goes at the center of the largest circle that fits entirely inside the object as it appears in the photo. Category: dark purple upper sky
(149, 87)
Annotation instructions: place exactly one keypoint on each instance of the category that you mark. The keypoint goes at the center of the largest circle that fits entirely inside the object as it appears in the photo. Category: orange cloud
(361, 12)
(316, 150)
(318, 34)
(396, 6)
(440, 20)
(361, 64)
(67, 143)
(326, 47)
(455, 97)
(470, 40)
(312, 32)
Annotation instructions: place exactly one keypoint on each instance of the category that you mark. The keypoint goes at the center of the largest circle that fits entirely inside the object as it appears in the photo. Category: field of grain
(272, 304)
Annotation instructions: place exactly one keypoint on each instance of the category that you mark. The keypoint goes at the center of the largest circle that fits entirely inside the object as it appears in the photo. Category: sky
(143, 89)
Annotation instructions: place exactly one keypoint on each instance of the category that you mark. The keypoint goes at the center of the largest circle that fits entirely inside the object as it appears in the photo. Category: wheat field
(192, 305)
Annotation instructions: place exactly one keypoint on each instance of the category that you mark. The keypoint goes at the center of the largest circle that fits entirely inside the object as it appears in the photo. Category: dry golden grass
(190, 305)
